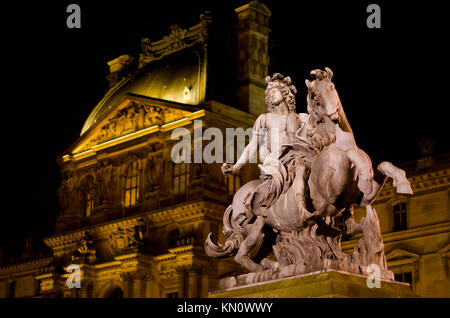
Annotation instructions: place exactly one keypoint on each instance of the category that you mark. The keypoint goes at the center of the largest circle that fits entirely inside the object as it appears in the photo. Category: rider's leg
(254, 236)
(363, 164)
(299, 184)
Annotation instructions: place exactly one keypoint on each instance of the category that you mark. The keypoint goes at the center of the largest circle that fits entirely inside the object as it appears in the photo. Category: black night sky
(393, 81)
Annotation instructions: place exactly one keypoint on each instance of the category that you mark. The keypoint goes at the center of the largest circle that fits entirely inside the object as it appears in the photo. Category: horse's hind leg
(255, 235)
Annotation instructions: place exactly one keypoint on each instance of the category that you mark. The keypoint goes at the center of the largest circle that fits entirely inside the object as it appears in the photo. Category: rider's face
(276, 96)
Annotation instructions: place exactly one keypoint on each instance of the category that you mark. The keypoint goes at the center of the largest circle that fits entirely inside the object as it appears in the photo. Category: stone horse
(341, 175)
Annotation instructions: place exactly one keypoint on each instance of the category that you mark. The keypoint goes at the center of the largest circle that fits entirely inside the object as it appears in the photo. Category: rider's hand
(227, 169)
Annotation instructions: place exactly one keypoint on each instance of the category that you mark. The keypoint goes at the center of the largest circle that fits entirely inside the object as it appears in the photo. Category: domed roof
(177, 80)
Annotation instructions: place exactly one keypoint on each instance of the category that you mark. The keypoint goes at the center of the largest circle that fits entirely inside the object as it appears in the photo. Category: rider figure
(285, 162)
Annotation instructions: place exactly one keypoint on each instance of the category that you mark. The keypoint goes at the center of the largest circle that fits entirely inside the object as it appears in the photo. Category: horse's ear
(308, 84)
(330, 72)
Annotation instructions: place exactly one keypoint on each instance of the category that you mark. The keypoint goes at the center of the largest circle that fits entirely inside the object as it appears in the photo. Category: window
(404, 277)
(12, 289)
(173, 237)
(400, 217)
(180, 178)
(131, 185)
(88, 196)
(233, 183)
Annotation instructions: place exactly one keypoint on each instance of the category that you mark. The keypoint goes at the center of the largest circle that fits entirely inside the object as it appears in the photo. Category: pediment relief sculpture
(131, 118)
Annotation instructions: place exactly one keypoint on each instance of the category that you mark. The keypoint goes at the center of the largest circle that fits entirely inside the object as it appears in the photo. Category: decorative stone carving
(118, 240)
(134, 116)
(316, 175)
(105, 184)
(154, 170)
(85, 248)
(177, 39)
(65, 193)
(137, 235)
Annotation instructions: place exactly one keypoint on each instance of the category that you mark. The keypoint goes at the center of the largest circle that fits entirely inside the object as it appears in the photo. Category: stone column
(181, 283)
(253, 58)
(193, 283)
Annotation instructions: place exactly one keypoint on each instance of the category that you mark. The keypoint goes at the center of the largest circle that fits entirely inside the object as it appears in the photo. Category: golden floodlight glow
(172, 125)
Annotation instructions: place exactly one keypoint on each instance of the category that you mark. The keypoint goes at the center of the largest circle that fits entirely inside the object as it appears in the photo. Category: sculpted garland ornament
(316, 176)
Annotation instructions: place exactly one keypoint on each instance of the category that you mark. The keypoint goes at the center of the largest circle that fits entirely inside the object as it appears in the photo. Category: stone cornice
(24, 268)
(181, 213)
(392, 237)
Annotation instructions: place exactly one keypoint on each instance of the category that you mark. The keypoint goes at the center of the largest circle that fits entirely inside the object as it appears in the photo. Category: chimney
(253, 60)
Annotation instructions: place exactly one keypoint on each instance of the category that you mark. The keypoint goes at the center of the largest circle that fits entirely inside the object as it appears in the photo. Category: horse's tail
(234, 234)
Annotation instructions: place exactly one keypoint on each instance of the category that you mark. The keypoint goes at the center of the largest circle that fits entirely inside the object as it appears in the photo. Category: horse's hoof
(404, 188)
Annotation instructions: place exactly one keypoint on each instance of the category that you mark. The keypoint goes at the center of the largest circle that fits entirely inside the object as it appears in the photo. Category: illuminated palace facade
(135, 222)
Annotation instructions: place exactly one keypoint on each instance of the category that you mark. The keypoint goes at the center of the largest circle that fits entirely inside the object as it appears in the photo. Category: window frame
(180, 175)
(400, 216)
(131, 185)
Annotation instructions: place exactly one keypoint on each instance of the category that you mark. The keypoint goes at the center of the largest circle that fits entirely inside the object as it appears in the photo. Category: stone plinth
(324, 284)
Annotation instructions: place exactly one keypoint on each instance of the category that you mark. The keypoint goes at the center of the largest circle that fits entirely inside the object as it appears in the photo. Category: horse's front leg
(255, 235)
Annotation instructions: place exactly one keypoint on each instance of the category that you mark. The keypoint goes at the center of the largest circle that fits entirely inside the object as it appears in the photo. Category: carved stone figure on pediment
(152, 116)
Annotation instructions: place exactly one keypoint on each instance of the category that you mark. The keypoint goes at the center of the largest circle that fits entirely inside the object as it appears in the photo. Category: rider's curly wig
(284, 84)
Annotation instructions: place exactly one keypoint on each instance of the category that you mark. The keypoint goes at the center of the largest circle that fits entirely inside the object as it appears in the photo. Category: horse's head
(323, 99)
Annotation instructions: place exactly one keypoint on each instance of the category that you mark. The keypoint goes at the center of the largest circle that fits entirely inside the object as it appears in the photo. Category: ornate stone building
(133, 220)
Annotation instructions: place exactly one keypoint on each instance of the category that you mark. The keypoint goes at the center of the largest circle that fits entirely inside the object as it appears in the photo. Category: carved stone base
(322, 284)
(300, 269)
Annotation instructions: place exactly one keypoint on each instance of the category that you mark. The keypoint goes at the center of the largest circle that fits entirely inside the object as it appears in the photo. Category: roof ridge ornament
(177, 40)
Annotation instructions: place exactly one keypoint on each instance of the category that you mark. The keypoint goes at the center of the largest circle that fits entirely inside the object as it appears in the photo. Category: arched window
(180, 178)
(88, 196)
(131, 185)
(115, 293)
(399, 210)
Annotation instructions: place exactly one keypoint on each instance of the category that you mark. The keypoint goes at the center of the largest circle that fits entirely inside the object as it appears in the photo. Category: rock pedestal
(323, 284)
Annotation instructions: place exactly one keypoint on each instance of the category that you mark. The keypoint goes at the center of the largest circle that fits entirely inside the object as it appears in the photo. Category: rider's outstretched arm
(250, 152)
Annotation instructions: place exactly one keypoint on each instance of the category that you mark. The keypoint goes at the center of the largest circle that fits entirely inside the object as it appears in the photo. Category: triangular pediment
(399, 254)
(128, 117)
